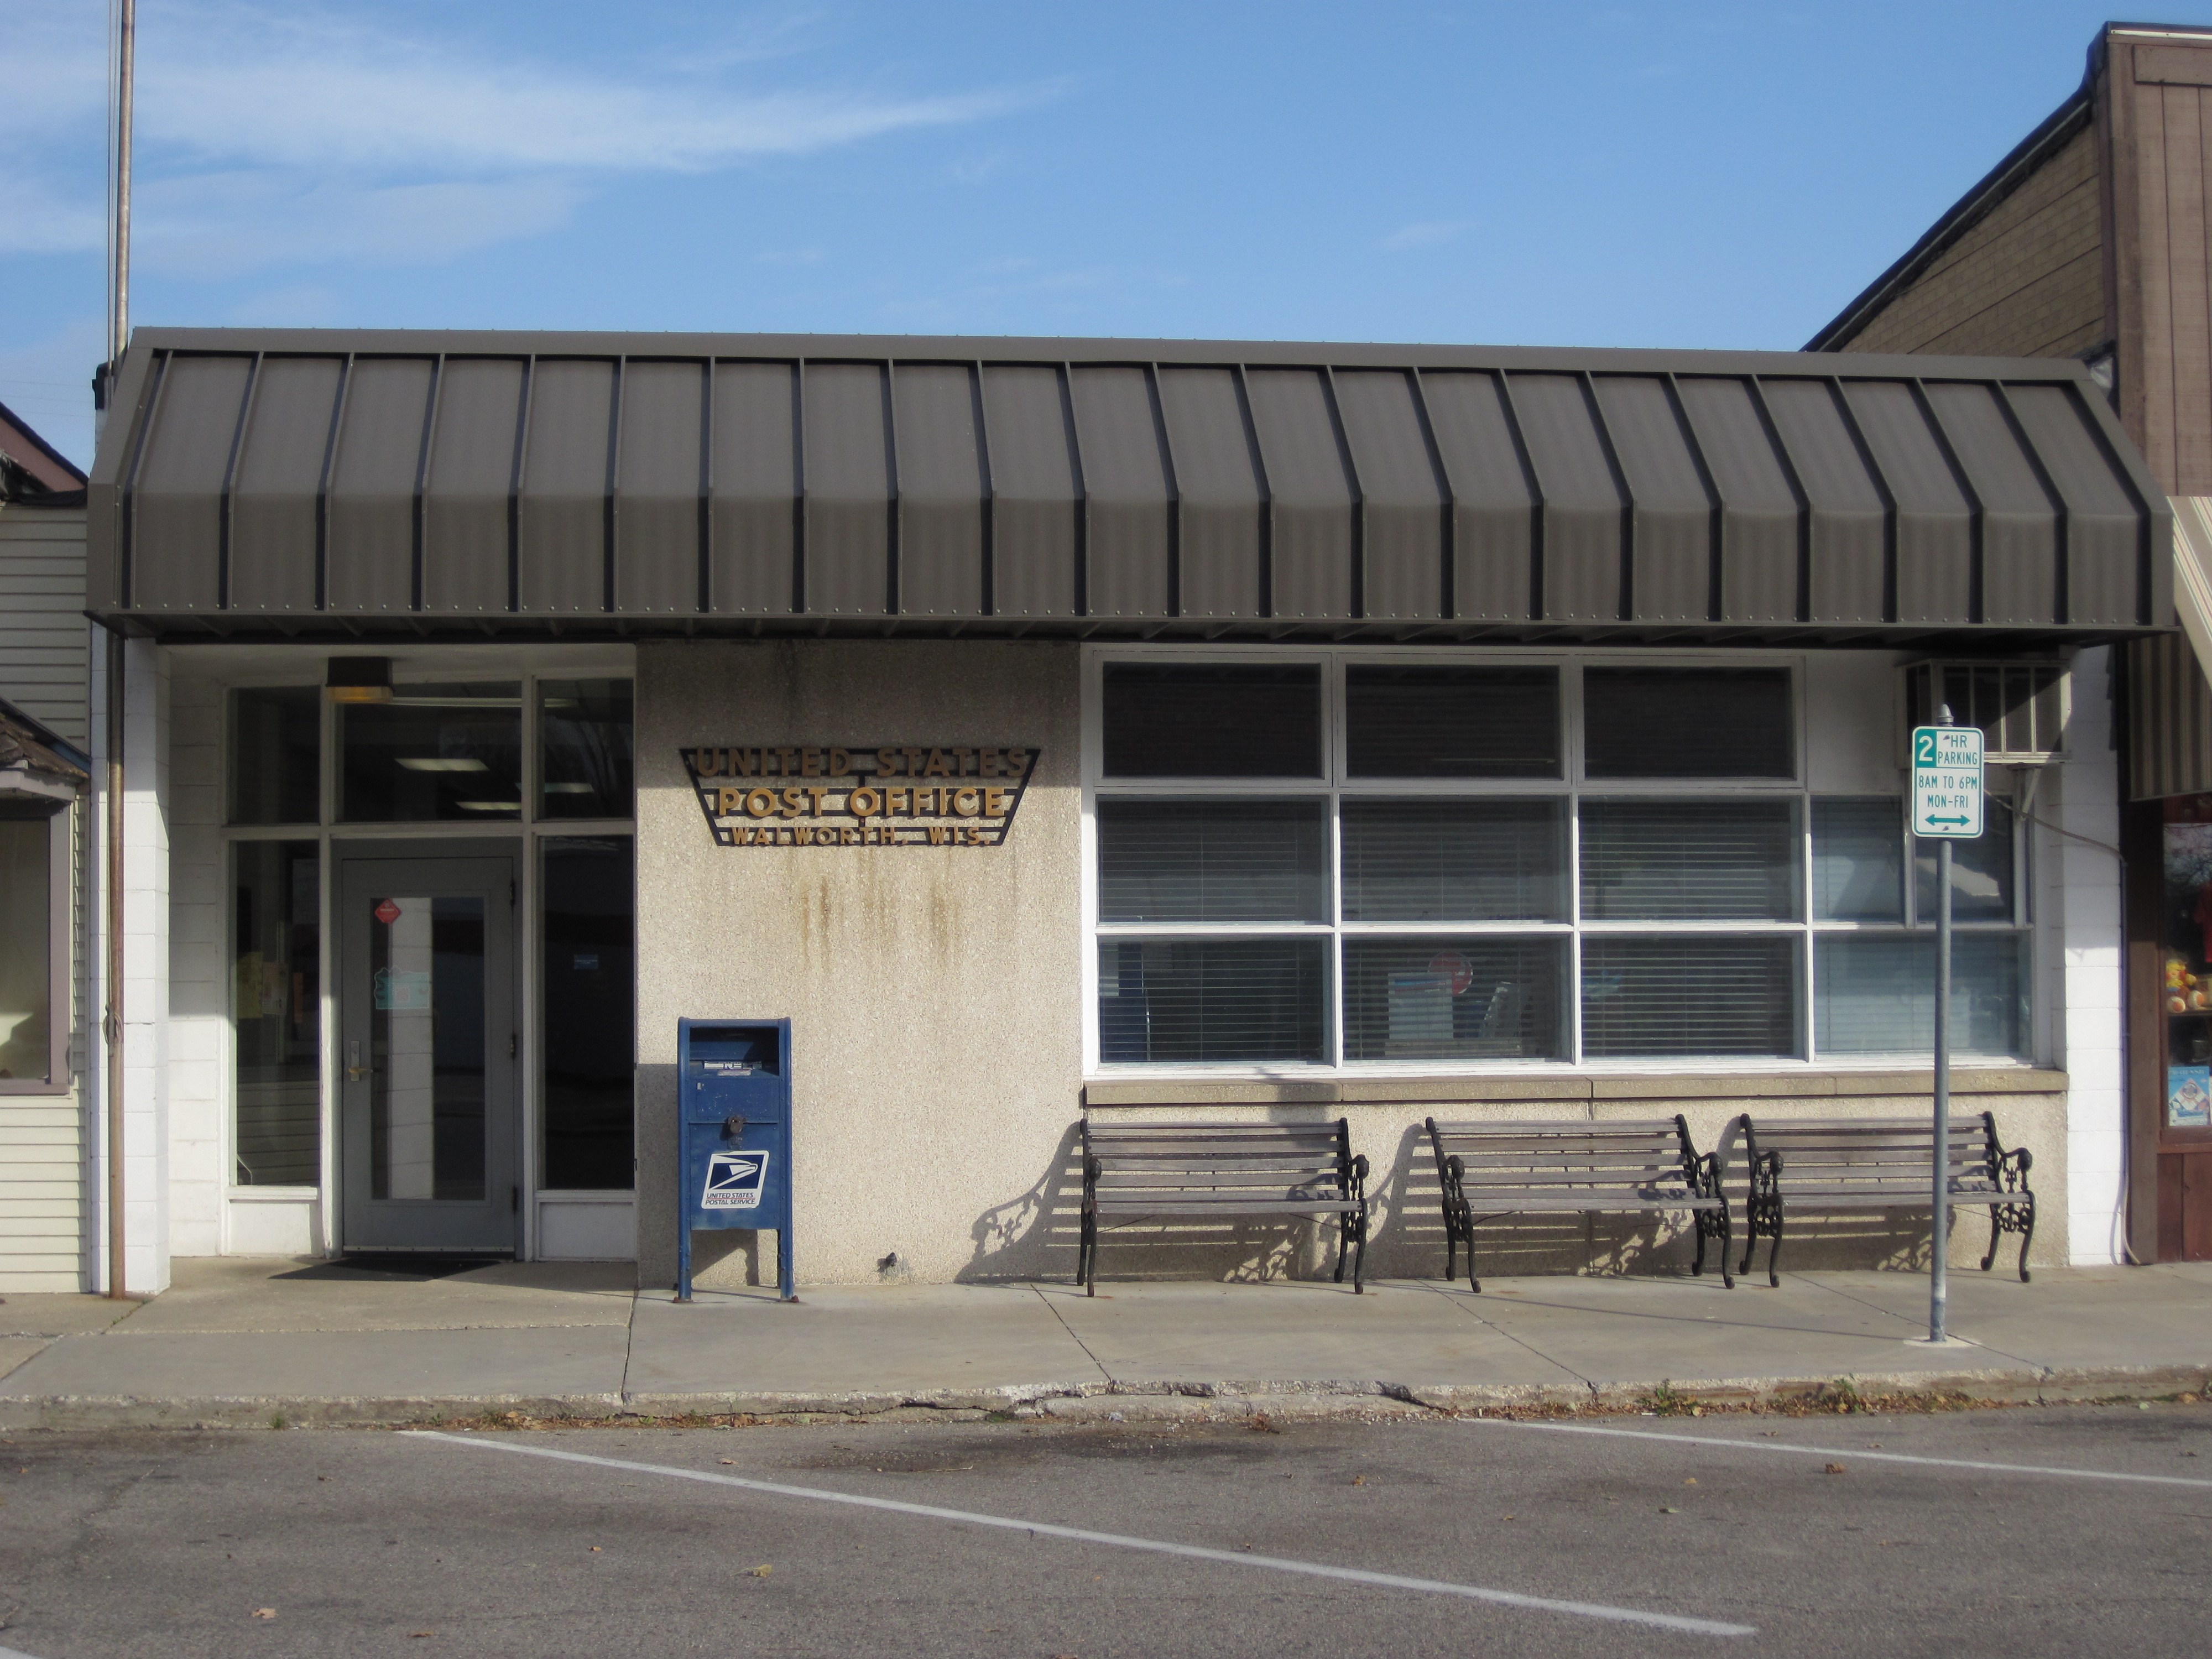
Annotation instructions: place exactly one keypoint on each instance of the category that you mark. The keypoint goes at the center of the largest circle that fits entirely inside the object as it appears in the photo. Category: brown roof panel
(352, 482)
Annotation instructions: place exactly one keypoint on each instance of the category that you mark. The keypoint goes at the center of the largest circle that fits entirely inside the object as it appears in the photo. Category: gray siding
(42, 630)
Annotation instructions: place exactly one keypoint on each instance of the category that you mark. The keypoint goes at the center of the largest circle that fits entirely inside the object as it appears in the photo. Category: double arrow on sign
(1961, 819)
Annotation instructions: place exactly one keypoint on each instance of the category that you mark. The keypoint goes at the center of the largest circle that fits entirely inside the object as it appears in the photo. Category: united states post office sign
(859, 795)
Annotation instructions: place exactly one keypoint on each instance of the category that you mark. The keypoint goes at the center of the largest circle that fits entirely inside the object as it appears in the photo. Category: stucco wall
(933, 991)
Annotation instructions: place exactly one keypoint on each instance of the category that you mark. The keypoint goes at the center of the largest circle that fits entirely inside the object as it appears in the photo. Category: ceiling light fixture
(433, 764)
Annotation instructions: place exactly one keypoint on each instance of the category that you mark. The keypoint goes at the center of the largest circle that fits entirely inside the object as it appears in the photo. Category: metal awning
(325, 483)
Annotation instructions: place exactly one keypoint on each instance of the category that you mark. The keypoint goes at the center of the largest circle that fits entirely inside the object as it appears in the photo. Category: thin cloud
(1428, 233)
(269, 86)
(223, 224)
(270, 134)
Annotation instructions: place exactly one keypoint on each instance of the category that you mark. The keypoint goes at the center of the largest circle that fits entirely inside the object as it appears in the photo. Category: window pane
(590, 985)
(1476, 998)
(1687, 723)
(434, 751)
(1455, 860)
(1206, 720)
(1680, 860)
(427, 1032)
(1874, 994)
(1662, 997)
(276, 755)
(1981, 872)
(27, 980)
(277, 1002)
(1242, 860)
(584, 763)
(1212, 999)
(1858, 860)
(1452, 722)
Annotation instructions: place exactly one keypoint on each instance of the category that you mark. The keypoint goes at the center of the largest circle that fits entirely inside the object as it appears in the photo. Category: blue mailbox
(734, 1129)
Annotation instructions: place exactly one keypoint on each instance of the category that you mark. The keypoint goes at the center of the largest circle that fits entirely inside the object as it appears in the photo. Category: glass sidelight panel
(590, 967)
(276, 755)
(584, 749)
(277, 1001)
(427, 1055)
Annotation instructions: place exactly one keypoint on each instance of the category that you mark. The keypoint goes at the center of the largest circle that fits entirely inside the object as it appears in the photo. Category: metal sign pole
(1947, 806)
(1939, 1277)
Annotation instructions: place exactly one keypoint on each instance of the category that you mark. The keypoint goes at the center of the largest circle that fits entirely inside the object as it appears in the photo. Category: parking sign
(1947, 781)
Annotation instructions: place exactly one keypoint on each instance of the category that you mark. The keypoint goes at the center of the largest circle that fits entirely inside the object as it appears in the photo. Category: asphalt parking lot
(2063, 1530)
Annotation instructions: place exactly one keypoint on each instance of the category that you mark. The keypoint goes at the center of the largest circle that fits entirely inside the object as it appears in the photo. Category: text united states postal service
(859, 795)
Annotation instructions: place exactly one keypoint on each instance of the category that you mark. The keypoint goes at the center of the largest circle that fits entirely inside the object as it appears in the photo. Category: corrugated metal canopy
(307, 481)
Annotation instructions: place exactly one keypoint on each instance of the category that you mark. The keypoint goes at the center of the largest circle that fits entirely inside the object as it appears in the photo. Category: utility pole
(125, 14)
(119, 249)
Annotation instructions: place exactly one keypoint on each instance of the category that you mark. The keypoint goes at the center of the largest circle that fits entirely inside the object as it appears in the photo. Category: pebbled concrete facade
(935, 991)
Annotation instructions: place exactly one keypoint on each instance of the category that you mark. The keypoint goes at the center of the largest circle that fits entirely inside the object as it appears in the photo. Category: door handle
(355, 1071)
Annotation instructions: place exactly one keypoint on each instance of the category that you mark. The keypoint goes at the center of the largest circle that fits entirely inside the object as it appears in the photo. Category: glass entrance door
(428, 1102)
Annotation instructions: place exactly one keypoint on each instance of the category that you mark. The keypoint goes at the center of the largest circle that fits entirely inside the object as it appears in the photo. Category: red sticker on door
(387, 913)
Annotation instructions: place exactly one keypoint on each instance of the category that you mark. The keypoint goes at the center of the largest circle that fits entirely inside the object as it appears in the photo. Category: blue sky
(1649, 175)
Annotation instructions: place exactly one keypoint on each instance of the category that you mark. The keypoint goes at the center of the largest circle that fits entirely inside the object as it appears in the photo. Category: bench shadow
(1035, 1235)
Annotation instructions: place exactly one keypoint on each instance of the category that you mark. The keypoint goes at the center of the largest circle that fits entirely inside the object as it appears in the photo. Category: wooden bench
(1490, 1169)
(1224, 1170)
(1798, 1164)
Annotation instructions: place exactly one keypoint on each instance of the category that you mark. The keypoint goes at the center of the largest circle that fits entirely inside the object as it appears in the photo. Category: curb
(1192, 1402)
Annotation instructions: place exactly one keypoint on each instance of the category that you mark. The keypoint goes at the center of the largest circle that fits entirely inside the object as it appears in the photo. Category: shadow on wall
(1035, 1236)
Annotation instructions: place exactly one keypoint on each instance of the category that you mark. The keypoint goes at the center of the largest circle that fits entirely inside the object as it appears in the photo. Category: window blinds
(1212, 999)
(1431, 722)
(1455, 860)
(1681, 860)
(1213, 861)
(1656, 998)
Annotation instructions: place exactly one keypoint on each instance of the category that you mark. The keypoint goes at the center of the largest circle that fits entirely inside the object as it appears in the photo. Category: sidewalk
(244, 1342)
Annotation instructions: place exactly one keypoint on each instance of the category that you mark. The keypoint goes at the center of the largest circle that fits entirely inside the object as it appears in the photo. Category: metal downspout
(112, 1026)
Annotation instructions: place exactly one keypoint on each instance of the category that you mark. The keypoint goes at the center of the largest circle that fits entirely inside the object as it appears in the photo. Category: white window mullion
(1571, 993)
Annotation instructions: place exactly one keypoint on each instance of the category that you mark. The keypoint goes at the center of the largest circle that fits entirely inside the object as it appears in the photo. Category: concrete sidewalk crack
(1492, 1325)
(629, 1347)
(1911, 1324)
(1038, 1291)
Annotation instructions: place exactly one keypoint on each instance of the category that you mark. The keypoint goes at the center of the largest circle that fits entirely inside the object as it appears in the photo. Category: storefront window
(276, 1004)
(1482, 874)
(584, 749)
(434, 752)
(590, 964)
(31, 851)
(276, 755)
(2186, 925)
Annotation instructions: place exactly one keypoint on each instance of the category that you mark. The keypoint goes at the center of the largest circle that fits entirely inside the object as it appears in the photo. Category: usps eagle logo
(734, 1180)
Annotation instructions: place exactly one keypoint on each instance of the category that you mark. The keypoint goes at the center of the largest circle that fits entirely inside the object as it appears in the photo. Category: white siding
(43, 642)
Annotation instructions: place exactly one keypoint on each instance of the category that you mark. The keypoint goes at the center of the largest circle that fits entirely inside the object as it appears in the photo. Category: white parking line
(1832, 1451)
(1117, 1540)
